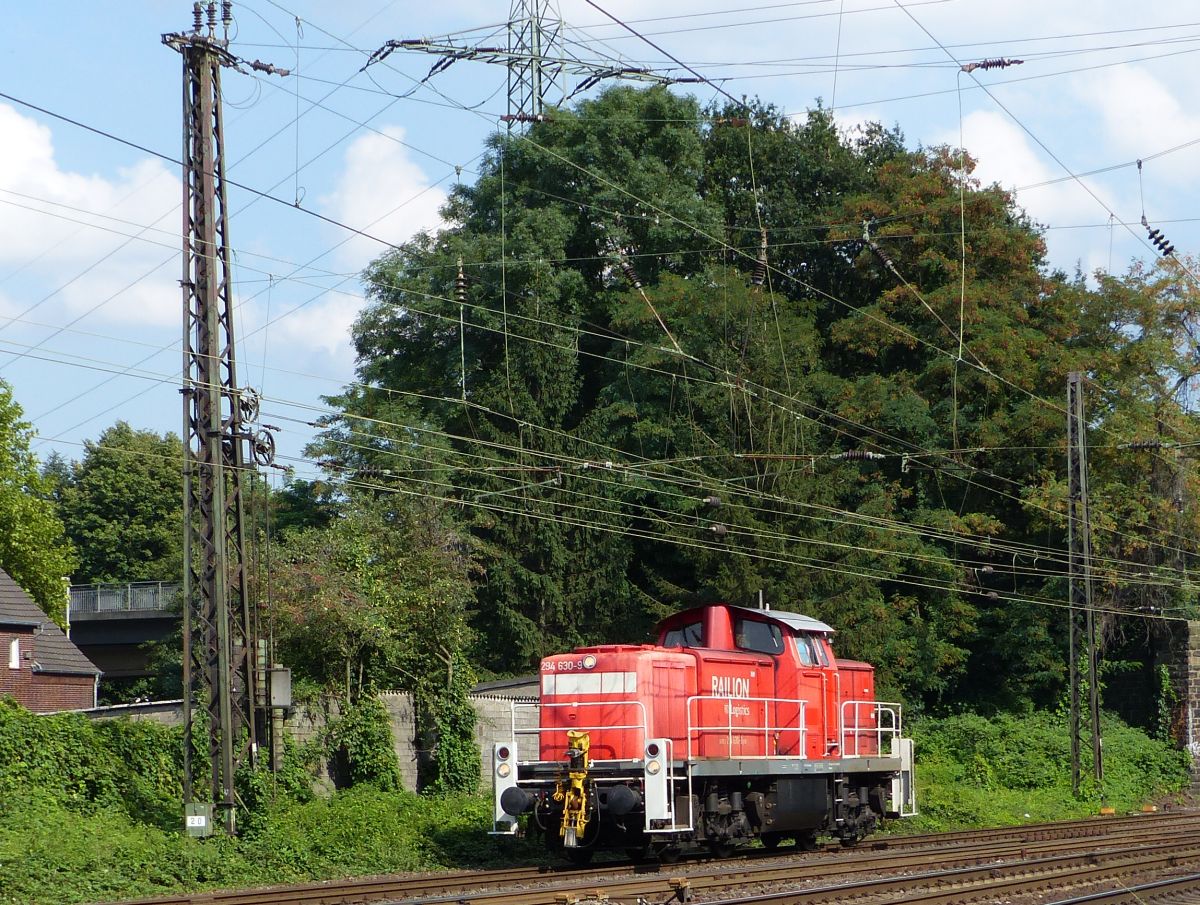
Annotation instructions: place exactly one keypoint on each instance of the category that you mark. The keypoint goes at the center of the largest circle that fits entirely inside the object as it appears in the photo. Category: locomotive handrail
(882, 719)
(730, 729)
(537, 731)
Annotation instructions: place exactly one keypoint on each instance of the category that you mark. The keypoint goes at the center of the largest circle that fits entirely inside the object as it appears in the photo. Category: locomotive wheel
(722, 849)
(667, 853)
(807, 842)
(580, 856)
(770, 841)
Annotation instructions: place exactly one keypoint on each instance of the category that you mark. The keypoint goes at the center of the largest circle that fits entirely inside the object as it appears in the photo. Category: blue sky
(90, 309)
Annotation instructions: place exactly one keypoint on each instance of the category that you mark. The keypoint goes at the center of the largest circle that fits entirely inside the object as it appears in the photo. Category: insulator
(759, 275)
(1144, 444)
(1154, 235)
(460, 284)
(992, 63)
(857, 455)
(712, 501)
(212, 16)
(226, 13)
(630, 273)
(197, 16)
(719, 530)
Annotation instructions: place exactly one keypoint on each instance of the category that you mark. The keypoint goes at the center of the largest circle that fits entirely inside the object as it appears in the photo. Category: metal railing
(130, 597)
(867, 725)
(771, 732)
(537, 731)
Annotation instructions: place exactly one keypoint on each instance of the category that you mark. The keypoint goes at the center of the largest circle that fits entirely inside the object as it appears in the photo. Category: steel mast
(220, 681)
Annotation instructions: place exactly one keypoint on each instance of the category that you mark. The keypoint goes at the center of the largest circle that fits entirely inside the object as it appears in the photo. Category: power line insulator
(857, 455)
(719, 530)
(1159, 240)
(759, 275)
(992, 63)
(713, 501)
(460, 284)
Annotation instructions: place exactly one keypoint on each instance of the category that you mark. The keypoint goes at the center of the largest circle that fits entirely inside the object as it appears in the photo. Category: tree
(34, 548)
(633, 414)
(123, 507)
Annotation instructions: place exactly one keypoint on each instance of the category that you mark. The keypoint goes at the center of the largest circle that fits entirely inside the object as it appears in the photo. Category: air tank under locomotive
(738, 724)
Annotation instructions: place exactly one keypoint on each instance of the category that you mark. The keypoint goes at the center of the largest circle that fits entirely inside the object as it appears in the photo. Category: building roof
(53, 651)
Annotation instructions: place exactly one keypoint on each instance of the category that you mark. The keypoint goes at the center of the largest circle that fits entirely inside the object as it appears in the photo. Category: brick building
(39, 666)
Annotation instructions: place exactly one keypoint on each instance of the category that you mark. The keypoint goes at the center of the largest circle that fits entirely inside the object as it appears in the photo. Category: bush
(973, 771)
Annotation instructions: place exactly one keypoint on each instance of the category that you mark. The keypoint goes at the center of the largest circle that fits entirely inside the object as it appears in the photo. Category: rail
(537, 730)
(773, 732)
(129, 597)
(868, 725)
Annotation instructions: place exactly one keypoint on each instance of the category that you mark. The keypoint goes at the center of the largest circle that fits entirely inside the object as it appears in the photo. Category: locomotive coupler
(573, 791)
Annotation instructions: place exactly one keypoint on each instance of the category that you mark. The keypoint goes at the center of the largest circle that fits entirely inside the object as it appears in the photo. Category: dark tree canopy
(630, 415)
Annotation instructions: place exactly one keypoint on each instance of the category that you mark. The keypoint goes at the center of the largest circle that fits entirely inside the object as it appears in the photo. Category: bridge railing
(129, 597)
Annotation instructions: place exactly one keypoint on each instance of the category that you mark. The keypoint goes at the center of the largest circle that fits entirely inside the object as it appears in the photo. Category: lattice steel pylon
(534, 37)
(537, 58)
(1081, 615)
(219, 637)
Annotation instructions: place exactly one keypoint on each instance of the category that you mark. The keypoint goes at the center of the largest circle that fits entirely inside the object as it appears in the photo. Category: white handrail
(537, 731)
(742, 729)
(881, 720)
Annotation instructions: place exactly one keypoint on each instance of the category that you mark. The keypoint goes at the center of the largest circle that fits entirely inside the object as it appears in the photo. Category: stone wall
(494, 723)
(1184, 668)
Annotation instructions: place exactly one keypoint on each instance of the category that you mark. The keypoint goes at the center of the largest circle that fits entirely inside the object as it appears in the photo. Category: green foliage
(34, 549)
(132, 767)
(456, 755)
(364, 602)
(49, 853)
(976, 771)
(123, 507)
(361, 738)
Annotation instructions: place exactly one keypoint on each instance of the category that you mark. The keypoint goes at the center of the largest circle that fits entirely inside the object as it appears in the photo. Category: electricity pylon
(1081, 615)
(221, 655)
(537, 59)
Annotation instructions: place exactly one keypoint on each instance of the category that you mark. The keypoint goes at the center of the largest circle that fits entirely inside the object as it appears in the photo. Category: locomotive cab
(738, 724)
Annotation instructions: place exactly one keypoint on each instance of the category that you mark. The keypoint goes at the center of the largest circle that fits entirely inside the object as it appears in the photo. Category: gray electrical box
(197, 819)
(281, 687)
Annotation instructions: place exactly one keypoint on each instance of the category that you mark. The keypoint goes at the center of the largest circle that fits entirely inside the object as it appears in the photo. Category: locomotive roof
(797, 621)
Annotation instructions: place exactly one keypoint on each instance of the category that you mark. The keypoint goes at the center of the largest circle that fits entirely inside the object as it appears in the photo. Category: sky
(90, 109)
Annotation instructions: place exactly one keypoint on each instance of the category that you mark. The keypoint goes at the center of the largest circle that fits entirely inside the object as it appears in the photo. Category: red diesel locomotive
(738, 724)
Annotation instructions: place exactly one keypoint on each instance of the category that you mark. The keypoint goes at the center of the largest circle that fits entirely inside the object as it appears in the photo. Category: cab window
(822, 656)
(760, 637)
(804, 646)
(690, 635)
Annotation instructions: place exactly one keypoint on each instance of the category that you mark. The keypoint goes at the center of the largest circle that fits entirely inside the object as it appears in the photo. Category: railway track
(1040, 856)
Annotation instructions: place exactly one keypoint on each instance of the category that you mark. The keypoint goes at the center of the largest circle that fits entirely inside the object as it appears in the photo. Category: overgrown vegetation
(90, 811)
(1006, 769)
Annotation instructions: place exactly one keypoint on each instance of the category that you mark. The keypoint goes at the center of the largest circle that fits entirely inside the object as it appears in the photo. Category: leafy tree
(123, 507)
(34, 548)
(378, 599)
(874, 409)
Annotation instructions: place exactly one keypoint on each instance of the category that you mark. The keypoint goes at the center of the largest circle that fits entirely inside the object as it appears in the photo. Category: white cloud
(382, 191)
(61, 231)
(1140, 115)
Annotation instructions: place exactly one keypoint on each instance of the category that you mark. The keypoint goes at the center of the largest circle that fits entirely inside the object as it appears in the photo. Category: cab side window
(822, 656)
(690, 635)
(804, 646)
(760, 637)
